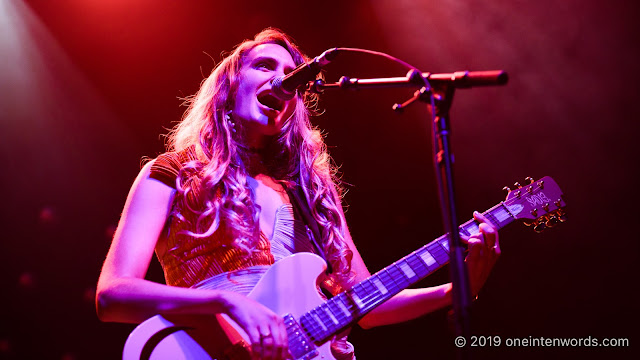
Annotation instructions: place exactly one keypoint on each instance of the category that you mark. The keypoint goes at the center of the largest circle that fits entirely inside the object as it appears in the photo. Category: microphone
(284, 87)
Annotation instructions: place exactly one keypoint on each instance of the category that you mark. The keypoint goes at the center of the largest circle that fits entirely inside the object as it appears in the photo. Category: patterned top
(289, 237)
(190, 260)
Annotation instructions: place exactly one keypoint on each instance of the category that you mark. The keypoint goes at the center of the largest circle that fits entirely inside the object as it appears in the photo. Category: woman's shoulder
(166, 166)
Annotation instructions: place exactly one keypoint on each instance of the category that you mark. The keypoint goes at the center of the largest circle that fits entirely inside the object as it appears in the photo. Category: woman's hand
(266, 330)
(484, 250)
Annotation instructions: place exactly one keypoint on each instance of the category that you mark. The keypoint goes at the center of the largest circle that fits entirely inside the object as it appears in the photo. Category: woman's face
(261, 113)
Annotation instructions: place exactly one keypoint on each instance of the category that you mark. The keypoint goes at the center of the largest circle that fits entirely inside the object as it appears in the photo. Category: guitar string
(375, 296)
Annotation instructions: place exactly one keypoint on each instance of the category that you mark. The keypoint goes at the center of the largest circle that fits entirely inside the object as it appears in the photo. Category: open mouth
(267, 99)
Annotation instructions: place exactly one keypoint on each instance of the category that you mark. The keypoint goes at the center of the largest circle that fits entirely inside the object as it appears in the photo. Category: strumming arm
(123, 295)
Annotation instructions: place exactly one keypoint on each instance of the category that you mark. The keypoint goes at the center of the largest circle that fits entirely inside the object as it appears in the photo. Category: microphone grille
(278, 91)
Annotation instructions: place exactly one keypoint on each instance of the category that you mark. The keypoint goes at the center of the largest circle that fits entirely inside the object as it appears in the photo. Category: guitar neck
(341, 311)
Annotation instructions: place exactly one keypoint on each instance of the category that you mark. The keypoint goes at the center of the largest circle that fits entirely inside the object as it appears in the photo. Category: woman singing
(217, 210)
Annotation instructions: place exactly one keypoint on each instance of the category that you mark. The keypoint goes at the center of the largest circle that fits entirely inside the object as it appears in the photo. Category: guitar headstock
(538, 203)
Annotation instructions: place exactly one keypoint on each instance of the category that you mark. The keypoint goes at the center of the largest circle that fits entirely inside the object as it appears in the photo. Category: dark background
(87, 87)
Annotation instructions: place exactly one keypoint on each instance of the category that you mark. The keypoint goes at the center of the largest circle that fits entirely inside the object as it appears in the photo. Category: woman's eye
(264, 65)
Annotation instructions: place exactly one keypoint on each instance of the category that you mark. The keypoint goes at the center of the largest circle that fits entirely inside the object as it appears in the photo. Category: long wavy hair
(297, 155)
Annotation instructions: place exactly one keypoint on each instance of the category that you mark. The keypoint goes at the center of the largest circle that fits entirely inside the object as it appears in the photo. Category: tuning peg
(562, 216)
(529, 179)
(517, 184)
(541, 184)
(506, 189)
(528, 223)
(552, 221)
(540, 226)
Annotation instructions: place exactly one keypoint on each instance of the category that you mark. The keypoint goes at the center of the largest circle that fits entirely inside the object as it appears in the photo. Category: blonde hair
(298, 156)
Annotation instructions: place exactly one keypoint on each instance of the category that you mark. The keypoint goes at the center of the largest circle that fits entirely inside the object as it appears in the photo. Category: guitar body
(288, 287)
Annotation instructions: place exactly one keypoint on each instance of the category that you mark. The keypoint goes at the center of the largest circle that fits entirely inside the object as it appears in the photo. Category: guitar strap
(302, 211)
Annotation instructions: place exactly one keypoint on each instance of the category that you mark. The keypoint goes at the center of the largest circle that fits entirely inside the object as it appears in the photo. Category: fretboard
(341, 311)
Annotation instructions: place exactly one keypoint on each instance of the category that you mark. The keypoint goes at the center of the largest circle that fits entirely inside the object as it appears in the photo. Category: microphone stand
(439, 99)
(443, 161)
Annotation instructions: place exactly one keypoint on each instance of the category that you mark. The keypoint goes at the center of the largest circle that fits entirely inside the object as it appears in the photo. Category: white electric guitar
(289, 289)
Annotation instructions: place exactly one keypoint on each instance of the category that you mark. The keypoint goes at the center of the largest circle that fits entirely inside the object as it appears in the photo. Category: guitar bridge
(300, 345)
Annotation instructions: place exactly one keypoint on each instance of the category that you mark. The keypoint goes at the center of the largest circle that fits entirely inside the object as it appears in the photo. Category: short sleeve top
(189, 259)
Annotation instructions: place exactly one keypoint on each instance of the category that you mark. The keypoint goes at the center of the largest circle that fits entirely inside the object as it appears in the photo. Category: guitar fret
(471, 228)
(309, 325)
(444, 243)
(315, 326)
(341, 315)
(381, 288)
(344, 304)
(433, 248)
(463, 230)
(438, 257)
(360, 290)
(317, 315)
(356, 297)
(373, 293)
(344, 309)
(388, 279)
(501, 214)
(370, 286)
(438, 253)
(405, 267)
(435, 251)
(426, 256)
(398, 276)
(370, 290)
(368, 300)
(417, 265)
(318, 323)
(322, 322)
(490, 216)
(509, 215)
(328, 315)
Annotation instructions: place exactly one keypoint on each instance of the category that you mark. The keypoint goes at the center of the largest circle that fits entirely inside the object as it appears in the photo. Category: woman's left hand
(484, 250)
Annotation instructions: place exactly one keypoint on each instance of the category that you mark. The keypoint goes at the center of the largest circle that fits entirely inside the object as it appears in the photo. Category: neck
(256, 155)
(255, 141)
(255, 163)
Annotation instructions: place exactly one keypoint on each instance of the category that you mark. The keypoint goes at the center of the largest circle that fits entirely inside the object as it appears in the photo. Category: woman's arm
(484, 250)
(123, 295)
